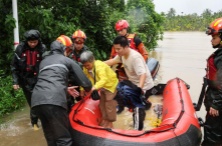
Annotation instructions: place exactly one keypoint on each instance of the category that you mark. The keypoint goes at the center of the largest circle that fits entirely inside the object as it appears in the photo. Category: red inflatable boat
(179, 126)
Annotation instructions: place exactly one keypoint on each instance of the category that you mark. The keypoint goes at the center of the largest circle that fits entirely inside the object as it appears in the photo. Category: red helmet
(121, 24)
(65, 40)
(215, 27)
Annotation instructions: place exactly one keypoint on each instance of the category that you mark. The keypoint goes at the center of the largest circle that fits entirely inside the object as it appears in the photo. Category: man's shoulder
(20, 48)
(134, 53)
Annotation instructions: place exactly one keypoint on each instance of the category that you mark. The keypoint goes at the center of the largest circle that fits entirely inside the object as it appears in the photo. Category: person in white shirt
(139, 79)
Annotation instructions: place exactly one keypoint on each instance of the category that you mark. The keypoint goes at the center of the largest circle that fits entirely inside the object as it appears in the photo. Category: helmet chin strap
(218, 45)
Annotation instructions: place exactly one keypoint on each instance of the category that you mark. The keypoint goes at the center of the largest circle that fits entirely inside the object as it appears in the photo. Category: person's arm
(143, 51)
(113, 53)
(110, 62)
(140, 69)
(15, 68)
(113, 61)
(142, 80)
(216, 106)
(141, 48)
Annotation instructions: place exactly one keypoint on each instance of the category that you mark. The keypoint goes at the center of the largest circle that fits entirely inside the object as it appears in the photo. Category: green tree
(55, 17)
(171, 13)
(145, 21)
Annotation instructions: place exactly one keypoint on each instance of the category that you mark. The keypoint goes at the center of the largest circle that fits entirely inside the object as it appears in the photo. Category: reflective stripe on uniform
(53, 65)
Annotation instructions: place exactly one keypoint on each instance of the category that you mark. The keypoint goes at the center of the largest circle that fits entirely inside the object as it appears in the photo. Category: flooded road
(17, 131)
(181, 54)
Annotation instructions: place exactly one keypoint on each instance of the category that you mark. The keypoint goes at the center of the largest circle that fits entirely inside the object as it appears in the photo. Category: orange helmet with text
(79, 37)
(215, 27)
(65, 40)
(79, 34)
(121, 24)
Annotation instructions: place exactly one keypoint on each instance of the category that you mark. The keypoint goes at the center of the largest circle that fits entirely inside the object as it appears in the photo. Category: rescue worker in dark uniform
(25, 66)
(49, 95)
(213, 96)
(135, 43)
(78, 38)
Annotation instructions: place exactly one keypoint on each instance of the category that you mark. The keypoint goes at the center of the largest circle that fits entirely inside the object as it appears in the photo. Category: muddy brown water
(181, 54)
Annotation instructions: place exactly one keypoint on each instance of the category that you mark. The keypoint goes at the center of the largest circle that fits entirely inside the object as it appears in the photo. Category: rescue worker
(122, 27)
(78, 39)
(213, 95)
(138, 75)
(49, 95)
(25, 66)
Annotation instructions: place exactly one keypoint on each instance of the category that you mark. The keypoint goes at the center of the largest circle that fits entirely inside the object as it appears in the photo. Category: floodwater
(181, 54)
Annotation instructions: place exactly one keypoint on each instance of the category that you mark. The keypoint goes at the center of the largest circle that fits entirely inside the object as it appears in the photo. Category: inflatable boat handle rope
(161, 128)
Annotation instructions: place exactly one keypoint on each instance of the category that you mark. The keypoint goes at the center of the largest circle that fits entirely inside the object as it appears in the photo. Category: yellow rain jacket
(105, 76)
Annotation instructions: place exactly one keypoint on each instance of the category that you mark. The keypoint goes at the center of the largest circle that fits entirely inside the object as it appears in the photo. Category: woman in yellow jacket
(103, 78)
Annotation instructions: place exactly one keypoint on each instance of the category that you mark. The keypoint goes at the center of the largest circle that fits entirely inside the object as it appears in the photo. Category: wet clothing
(51, 89)
(139, 115)
(132, 97)
(25, 67)
(135, 66)
(213, 130)
(107, 105)
(213, 98)
(56, 130)
(76, 55)
(104, 79)
(136, 44)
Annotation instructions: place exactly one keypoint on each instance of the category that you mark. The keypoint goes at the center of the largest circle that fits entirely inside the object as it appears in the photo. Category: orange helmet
(79, 36)
(65, 40)
(215, 27)
(121, 24)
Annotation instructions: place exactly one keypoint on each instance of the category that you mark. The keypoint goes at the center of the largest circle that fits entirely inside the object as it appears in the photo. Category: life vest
(132, 43)
(32, 59)
(211, 68)
(77, 58)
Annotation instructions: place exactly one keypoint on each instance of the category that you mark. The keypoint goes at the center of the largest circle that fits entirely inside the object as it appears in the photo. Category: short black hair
(121, 40)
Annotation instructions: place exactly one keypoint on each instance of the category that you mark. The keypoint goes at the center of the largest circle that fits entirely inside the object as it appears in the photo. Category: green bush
(10, 100)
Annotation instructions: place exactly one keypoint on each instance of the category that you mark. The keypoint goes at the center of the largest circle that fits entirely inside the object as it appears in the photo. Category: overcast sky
(187, 6)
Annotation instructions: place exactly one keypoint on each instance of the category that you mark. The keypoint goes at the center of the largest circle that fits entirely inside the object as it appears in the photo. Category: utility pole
(16, 29)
